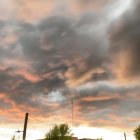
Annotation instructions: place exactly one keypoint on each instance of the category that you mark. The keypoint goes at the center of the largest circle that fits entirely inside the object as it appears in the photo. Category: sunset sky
(53, 52)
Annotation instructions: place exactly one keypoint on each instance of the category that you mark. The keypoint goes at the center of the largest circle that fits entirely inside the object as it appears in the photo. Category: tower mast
(72, 111)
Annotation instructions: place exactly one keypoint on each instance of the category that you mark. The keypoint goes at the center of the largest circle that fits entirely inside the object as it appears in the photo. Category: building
(88, 139)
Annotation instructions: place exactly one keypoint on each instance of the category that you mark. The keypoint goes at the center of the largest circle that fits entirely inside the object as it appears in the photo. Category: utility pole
(25, 126)
(124, 136)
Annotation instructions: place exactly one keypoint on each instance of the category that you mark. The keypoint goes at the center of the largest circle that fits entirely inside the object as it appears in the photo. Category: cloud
(53, 54)
(72, 43)
(95, 104)
(124, 37)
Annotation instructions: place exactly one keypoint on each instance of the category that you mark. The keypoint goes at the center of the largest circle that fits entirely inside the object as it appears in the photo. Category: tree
(59, 132)
(137, 133)
(99, 138)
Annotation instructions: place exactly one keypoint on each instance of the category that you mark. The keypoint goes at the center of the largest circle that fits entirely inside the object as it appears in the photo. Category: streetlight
(18, 132)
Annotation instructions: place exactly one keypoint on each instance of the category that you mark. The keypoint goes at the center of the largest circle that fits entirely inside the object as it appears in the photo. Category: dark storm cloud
(63, 53)
(65, 44)
(19, 89)
(71, 41)
(102, 76)
(125, 36)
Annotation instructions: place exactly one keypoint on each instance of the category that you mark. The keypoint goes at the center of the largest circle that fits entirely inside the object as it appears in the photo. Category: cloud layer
(54, 52)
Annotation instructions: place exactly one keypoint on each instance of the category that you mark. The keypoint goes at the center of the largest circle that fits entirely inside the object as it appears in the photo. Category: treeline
(63, 132)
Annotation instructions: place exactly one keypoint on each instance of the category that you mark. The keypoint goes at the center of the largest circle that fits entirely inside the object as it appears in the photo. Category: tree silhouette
(99, 138)
(137, 133)
(59, 132)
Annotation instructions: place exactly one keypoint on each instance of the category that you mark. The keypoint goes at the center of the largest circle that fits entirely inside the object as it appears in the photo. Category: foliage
(59, 132)
(137, 133)
(99, 138)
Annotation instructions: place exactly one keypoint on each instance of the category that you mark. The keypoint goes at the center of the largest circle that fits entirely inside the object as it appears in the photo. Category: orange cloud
(27, 75)
(100, 98)
(74, 79)
(23, 68)
(121, 67)
(7, 9)
(8, 40)
(81, 6)
(33, 10)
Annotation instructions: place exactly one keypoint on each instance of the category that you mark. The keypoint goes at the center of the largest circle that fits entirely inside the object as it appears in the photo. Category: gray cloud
(65, 52)
(125, 35)
(60, 43)
(106, 102)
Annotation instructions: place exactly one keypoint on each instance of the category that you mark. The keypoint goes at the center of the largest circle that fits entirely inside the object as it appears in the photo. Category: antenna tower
(72, 111)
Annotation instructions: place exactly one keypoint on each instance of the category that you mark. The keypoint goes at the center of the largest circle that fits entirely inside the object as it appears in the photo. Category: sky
(53, 52)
